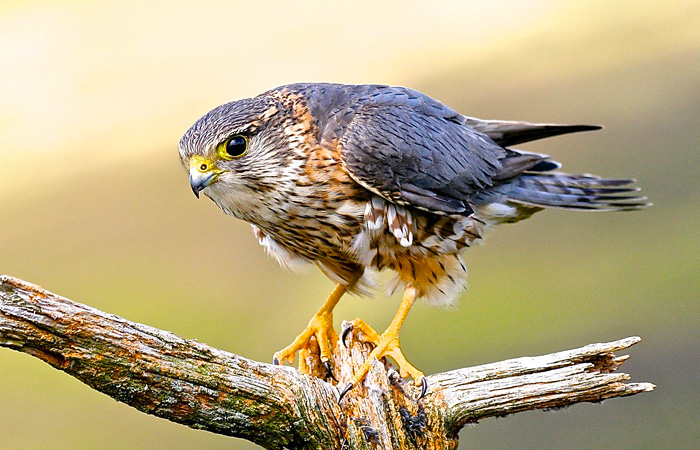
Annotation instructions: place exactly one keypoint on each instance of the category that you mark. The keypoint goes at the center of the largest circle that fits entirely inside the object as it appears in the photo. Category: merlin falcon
(360, 178)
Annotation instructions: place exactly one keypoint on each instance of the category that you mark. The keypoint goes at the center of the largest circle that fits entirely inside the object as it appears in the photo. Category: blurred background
(95, 206)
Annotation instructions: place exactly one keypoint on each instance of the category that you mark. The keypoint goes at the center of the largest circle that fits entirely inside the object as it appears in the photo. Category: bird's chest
(317, 212)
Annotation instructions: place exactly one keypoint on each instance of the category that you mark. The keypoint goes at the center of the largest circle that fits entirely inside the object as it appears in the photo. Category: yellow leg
(320, 326)
(387, 344)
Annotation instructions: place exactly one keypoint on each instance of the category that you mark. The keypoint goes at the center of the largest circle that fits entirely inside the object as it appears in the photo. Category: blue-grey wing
(415, 152)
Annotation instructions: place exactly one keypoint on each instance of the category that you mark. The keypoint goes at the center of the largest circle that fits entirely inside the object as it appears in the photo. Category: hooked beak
(202, 174)
(199, 181)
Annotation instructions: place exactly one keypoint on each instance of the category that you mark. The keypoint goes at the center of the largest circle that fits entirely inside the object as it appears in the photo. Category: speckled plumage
(363, 178)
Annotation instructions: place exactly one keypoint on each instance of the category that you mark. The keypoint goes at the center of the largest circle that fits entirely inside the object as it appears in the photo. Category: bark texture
(276, 407)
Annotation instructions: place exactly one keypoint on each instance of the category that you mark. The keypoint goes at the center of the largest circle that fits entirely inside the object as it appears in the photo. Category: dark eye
(233, 147)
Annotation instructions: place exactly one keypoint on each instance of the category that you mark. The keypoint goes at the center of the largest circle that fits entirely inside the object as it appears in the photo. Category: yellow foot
(386, 344)
(321, 327)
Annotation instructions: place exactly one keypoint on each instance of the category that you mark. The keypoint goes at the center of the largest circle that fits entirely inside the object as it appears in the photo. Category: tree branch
(276, 407)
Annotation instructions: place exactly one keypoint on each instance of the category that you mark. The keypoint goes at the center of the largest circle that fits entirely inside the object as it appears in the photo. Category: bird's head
(237, 152)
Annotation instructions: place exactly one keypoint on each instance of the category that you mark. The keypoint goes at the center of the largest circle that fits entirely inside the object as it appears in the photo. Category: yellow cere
(202, 165)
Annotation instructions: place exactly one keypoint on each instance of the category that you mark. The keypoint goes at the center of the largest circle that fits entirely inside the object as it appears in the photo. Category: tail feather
(583, 181)
(583, 192)
(553, 185)
(527, 182)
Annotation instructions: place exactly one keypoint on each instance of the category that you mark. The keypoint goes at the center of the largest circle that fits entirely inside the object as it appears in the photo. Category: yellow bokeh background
(94, 204)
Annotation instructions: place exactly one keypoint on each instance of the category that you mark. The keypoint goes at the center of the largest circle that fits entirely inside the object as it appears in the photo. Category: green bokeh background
(95, 206)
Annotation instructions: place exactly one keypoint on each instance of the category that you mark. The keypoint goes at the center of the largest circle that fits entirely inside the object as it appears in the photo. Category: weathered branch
(277, 407)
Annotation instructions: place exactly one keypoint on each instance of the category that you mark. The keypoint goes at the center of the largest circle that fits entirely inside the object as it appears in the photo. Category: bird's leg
(387, 344)
(320, 326)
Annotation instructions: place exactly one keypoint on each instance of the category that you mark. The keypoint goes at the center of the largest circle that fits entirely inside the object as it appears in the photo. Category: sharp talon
(329, 370)
(275, 361)
(345, 333)
(344, 391)
(423, 388)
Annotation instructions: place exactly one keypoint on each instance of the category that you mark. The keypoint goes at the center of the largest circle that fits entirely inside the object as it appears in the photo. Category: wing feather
(507, 133)
(417, 154)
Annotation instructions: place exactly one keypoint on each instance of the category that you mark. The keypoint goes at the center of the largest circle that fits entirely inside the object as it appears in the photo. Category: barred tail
(520, 197)
(582, 192)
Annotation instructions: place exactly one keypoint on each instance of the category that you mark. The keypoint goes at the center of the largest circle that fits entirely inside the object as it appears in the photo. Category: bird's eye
(233, 147)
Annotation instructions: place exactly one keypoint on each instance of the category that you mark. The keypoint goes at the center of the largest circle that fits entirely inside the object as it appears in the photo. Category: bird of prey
(360, 178)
